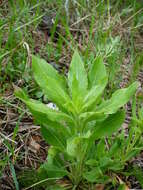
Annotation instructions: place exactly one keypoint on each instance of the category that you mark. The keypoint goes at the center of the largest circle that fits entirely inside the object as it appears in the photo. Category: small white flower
(52, 106)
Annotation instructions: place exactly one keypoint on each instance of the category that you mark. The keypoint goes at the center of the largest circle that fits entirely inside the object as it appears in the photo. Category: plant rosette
(82, 118)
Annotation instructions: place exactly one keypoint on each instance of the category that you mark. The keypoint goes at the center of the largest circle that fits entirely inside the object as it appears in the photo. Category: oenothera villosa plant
(83, 116)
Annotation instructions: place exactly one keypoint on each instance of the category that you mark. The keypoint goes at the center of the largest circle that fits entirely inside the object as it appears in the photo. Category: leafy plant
(131, 144)
(82, 118)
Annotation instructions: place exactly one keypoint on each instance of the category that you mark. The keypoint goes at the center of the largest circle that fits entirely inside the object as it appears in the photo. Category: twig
(7, 138)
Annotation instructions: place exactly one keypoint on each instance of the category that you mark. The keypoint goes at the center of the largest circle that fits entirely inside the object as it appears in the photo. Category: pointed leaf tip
(77, 79)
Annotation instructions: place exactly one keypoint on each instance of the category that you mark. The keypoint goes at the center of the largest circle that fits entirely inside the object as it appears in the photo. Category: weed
(95, 27)
(82, 117)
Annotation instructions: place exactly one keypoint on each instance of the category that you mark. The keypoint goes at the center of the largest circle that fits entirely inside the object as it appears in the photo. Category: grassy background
(53, 29)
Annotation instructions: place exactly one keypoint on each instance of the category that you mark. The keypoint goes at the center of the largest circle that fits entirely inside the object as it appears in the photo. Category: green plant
(82, 118)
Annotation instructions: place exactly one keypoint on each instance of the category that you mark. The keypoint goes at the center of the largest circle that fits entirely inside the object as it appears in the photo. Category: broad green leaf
(51, 121)
(48, 69)
(93, 175)
(37, 107)
(50, 81)
(118, 99)
(54, 157)
(53, 171)
(94, 93)
(77, 80)
(41, 111)
(53, 135)
(109, 125)
(75, 144)
(97, 72)
(91, 116)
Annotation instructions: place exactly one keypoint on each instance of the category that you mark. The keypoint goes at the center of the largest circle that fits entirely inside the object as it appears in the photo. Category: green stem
(77, 169)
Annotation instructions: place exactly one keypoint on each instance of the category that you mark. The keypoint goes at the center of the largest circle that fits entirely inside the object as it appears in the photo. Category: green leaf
(116, 166)
(53, 171)
(92, 162)
(141, 113)
(53, 85)
(97, 72)
(19, 93)
(54, 156)
(138, 173)
(114, 149)
(52, 152)
(93, 95)
(109, 125)
(37, 107)
(118, 99)
(48, 69)
(94, 175)
(91, 116)
(105, 162)
(52, 122)
(134, 108)
(52, 133)
(77, 80)
(100, 149)
(131, 154)
(122, 187)
(14, 175)
(41, 111)
(75, 144)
